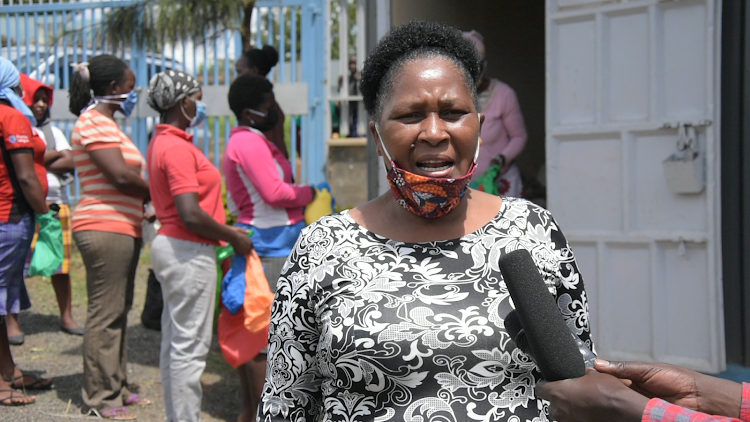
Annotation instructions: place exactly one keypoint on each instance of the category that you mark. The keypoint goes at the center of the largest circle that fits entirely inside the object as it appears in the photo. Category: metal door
(627, 80)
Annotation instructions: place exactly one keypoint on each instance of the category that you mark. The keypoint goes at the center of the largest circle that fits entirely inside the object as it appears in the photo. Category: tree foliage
(155, 22)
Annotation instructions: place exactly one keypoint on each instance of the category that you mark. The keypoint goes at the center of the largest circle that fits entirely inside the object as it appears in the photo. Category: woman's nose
(433, 130)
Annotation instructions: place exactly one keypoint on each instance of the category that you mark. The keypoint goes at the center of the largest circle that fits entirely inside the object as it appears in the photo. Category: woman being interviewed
(186, 192)
(107, 226)
(394, 310)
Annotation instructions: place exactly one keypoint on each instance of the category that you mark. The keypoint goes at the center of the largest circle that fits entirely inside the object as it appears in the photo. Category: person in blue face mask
(186, 193)
(107, 226)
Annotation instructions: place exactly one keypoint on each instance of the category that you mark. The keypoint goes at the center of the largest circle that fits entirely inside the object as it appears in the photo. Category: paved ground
(48, 349)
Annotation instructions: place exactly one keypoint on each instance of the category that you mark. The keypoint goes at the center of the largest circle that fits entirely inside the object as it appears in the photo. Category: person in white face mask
(186, 193)
(107, 226)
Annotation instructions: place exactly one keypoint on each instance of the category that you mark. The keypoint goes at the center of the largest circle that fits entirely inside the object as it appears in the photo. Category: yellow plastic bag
(321, 206)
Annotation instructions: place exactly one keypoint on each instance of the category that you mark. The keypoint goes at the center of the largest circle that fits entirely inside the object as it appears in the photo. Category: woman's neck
(106, 109)
(385, 217)
(174, 118)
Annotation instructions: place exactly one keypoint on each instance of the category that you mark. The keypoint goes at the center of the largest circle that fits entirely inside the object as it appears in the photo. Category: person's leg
(252, 378)
(9, 397)
(187, 273)
(253, 373)
(61, 284)
(15, 242)
(161, 257)
(14, 330)
(129, 294)
(61, 279)
(107, 257)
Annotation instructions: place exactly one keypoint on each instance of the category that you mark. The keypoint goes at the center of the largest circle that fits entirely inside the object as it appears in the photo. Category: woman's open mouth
(435, 168)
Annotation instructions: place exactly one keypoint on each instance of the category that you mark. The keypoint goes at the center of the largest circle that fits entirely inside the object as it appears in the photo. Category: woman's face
(126, 86)
(41, 104)
(430, 125)
(243, 67)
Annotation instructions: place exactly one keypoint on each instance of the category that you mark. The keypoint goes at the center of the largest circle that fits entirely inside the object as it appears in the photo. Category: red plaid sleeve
(658, 410)
(745, 410)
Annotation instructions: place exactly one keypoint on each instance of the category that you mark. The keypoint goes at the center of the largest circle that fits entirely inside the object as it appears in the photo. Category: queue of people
(392, 310)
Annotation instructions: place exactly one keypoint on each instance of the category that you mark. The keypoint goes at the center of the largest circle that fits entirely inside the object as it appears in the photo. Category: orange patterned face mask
(428, 197)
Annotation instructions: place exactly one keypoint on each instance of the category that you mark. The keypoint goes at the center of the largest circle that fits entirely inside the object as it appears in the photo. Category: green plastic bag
(48, 252)
(486, 182)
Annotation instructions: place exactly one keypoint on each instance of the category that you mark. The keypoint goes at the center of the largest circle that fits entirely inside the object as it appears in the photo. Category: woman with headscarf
(186, 193)
(503, 131)
(23, 186)
(58, 159)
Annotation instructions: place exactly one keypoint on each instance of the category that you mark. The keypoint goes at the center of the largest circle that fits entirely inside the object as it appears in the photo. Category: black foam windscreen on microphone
(515, 329)
(553, 348)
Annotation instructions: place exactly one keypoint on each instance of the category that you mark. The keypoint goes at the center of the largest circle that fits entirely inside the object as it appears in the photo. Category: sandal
(9, 401)
(118, 414)
(37, 383)
(136, 400)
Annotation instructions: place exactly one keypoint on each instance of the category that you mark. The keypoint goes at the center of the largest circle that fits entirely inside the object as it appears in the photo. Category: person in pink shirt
(263, 194)
(503, 132)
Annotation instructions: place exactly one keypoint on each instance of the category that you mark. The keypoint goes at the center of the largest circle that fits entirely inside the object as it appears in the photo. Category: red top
(17, 136)
(175, 167)
(659, 410)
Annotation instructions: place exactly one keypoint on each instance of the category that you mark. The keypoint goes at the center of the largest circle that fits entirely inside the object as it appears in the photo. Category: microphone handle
(588, 356)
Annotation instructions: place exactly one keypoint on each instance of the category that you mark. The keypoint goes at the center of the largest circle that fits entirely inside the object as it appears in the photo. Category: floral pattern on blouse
(366, 328)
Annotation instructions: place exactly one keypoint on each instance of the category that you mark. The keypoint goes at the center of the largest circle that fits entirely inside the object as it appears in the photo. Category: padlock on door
(685, 170)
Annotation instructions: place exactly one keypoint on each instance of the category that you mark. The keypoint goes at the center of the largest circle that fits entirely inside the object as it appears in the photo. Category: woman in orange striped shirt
(107, 226)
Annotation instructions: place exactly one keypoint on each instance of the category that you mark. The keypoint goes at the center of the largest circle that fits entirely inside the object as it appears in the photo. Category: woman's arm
(33, 192)
(258, 164)
(199, 222)
(124, 178)
(62, 164)
(514, 126)
(570, 293)
(292, 391)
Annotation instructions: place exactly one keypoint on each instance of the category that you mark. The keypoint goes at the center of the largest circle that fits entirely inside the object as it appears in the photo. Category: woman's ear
(112, 88)
(378, 145)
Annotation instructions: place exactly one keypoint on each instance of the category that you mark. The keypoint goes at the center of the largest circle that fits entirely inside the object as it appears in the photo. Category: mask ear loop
(479, 144)
(382, 143)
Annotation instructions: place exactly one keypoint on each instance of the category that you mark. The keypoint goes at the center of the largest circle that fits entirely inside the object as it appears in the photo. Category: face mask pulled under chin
(428, 197)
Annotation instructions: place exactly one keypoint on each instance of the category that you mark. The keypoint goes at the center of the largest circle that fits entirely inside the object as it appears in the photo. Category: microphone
(545, 334)
(515, 329)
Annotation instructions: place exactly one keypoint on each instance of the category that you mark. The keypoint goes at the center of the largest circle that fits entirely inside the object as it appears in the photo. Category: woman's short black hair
(247, 92)
(264, 59)
(102, 70)
(408, 42)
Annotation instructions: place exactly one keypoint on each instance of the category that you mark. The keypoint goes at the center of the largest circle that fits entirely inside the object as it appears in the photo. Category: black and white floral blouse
(365, 328)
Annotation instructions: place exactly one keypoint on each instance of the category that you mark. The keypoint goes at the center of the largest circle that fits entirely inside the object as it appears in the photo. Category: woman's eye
(453, 114)
(410, 117)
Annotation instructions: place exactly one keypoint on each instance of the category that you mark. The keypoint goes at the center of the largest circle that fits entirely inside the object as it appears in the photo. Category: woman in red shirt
(186, 193)
(23, 186)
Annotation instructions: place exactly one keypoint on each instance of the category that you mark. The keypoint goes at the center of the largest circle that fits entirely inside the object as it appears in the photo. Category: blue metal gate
(45, 39)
